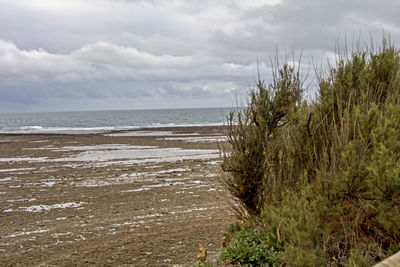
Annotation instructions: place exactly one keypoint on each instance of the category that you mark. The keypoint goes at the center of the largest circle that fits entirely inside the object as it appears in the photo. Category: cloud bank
(133, 54)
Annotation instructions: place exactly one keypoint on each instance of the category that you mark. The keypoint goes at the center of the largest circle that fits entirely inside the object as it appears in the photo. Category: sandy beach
(148, 197)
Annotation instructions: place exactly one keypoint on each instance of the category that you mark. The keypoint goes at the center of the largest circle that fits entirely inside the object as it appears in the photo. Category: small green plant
(251, 246)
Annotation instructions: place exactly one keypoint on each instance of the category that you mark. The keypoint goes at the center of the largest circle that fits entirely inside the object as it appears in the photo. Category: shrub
(253, 134)
(251, 246)
(324, 176)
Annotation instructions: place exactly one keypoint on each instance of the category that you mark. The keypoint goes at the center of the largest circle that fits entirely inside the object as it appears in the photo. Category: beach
(144, 197)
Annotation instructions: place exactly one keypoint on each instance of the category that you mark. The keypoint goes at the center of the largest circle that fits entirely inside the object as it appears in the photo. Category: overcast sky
(133, 54)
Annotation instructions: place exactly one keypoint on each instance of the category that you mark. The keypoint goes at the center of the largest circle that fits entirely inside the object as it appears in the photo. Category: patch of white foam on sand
(125, 154)
(39, 208)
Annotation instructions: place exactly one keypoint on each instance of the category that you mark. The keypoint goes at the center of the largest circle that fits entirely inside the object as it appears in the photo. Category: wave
(63, 130)
(39, 129)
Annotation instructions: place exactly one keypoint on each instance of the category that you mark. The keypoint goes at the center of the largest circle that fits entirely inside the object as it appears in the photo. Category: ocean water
(106, 121)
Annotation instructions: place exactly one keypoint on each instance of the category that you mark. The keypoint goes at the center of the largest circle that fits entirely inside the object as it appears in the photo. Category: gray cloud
(95, 54)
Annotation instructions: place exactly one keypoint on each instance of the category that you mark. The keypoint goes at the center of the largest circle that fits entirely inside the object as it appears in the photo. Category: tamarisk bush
(323, 177)
(253, 134)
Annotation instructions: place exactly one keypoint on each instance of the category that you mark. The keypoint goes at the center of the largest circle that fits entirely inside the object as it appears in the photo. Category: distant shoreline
(182, 130)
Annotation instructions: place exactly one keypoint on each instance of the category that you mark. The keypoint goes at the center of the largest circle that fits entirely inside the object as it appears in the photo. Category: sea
(88, 122)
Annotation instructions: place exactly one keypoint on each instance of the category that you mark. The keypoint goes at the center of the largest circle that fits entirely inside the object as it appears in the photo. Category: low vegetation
(318, 183)
(251, 245)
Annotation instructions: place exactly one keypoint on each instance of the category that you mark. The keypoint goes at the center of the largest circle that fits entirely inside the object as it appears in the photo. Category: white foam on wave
(34, 127)
(40, 129)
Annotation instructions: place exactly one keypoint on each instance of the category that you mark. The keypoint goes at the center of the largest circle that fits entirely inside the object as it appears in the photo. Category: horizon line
(99, 110)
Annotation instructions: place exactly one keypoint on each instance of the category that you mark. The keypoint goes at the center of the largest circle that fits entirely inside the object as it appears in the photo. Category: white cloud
(33, 64)
(258, 3)
(91, 61)
(100, 53)
(110, 54)
(108, 71)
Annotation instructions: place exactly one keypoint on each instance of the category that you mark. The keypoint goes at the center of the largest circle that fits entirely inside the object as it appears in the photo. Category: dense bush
(324, 176)
(251, 246)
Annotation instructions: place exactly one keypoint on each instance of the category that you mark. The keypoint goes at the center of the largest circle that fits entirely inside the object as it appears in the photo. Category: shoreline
(204, 129)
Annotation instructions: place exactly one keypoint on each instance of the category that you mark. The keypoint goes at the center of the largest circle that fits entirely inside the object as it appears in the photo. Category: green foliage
(251, 246)
(251, 133)
(323, 176)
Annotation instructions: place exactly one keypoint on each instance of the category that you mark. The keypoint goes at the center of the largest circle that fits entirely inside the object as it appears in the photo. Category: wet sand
(119, 199)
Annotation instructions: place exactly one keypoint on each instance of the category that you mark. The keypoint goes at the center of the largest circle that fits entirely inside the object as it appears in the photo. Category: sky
(139, 54)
